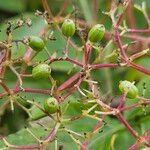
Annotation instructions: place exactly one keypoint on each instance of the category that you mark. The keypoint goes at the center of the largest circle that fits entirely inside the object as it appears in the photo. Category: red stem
(139, 68)
(87, 51)
(84, 145)
(51, 135)
(134, 146)
(74, 62)
(99, 123)
(130, 16)
(126, 124)
(119, 43)
(29, 90)
(66, 59)
(129, 107)
(5, 87)
(25, 147)
(74, 88)
(27, 54)
(138, 30)
(97, 66)
(68, 82)
(122, 101)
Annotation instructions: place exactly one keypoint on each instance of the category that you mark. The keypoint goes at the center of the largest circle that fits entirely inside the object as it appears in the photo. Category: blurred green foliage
(12, 122)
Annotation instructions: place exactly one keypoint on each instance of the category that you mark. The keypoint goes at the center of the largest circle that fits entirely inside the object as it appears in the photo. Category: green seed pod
(22, 101)
(51, 105)
(41, 71)
(96, 33)
(68, 28)
(130, 88)
(36, 43)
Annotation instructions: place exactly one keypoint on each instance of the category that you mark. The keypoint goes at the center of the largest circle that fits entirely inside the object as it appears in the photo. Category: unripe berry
(96, 33)
(51, 105)
(41, 71)
(129, 88)
(68, 28)
(36, 43)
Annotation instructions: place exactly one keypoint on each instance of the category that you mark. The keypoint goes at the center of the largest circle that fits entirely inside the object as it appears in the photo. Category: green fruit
(129, 88)
(68, 28)
(51, 105)
(36, 43)
(96, 33)
(41, 71)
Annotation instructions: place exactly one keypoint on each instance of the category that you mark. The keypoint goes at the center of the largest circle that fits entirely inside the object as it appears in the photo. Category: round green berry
(41, 71)
(36, 43)
(129, 88)
(68, 28)
(51, 105)
(96, 33)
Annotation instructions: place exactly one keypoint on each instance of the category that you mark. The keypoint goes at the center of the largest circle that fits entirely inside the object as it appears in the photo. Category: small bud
(68, 28)
(45, 14)
(38, 13)
(96, 33)
(25, 40)
(19, 23)
(129, 88)
(41, 71)
(29, 22)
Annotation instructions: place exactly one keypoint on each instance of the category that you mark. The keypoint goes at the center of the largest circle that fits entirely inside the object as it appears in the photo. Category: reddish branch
(51, 60)
(126, 124)
(98, 66)
(27, 90)
(139, 68)
(87, 52)
(32, 147)
(138, 30)
(72, 84)
(68, 82)
(119, 44)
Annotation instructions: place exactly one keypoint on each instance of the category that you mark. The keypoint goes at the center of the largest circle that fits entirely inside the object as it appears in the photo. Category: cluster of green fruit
(42, 71)
(68, 29)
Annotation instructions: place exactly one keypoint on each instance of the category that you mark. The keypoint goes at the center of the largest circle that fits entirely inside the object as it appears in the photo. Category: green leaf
(141, 87)
(36, 113)
(24, 138)
(18, 50)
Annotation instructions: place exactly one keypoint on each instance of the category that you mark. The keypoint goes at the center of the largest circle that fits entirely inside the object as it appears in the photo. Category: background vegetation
(112, 134)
